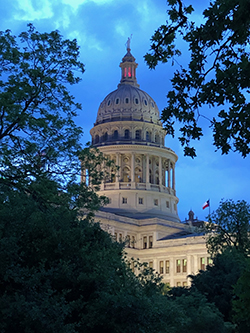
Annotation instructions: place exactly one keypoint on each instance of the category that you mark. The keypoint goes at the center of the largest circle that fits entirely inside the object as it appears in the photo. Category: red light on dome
(129, 72)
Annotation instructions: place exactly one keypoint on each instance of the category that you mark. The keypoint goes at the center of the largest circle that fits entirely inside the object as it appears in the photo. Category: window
(184, 283)
(148, 136)
(209, 261)
(145, 102)
(150, 265)
(150, 245)
(126, 100)
(167, 204)
(178, 266)
(161, 267)
(126, 134)
(156, 202)
(96, 138)
(184, 265)
(136, 101)
(140, 201)
(124, 200)
(144, 242)
(115, 236)
(120, 238)
(178, 284)
(138, 134)
(133, 242)
(128, 240)
(115, 134)
(167, 266)
(117, 101)
(157, 139)
(202, 264)
(105, 136)
(108, 102)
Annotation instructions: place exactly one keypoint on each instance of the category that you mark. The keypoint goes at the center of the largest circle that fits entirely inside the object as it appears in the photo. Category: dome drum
(126, 132)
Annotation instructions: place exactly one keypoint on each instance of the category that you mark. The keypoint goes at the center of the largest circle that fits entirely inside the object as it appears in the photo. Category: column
(118, 170)
(132, 171)
(173, 178)
(132, 167)
(160, 171)
(169, 170)
(147, 172)
(117, 163)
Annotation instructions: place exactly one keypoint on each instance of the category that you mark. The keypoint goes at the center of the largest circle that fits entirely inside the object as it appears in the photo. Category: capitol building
(143, 202)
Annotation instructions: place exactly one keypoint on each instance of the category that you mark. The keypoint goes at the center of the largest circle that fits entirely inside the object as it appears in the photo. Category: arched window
(126, 175)
(138, 175)
(105, 136)
(148, 136)
(97, 138)
(138, 134)
(115, 134)
(157, 138)
(126, 134)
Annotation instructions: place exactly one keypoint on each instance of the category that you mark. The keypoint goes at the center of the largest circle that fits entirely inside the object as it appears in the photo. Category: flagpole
(209, 208)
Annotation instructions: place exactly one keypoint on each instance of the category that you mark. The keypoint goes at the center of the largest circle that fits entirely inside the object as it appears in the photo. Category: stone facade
(142, 207)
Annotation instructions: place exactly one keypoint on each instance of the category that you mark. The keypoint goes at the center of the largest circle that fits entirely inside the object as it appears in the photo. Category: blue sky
(101, 28)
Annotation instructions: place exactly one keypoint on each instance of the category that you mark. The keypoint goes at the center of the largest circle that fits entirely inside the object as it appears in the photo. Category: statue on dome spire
(128, 43)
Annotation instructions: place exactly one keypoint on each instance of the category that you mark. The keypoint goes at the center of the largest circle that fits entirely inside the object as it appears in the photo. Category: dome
(128, 101)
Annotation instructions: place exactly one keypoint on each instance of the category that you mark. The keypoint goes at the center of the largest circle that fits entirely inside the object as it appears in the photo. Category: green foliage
(37, 132)
(198, 315)
(229, 227)
(217, 282)
(217, 74)
(241, 304)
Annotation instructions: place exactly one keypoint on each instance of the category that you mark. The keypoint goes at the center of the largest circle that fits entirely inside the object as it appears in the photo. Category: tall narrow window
(202, 264)
(150, 245)
(161, 267)
(138, 134)
(150, 265)
(120, 238)
(133, 242)
(140, 201)
(115, 134)
(126, 134)
(167, 266)
(178, 266)
(129, 72)
(184, 265)
(209, 261)
(145, 242)
(128, 240)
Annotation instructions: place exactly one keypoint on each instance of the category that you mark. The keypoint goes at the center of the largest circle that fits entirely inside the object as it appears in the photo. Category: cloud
(28, 10)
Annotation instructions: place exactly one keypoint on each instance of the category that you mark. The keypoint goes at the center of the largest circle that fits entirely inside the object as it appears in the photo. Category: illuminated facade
(142, 205)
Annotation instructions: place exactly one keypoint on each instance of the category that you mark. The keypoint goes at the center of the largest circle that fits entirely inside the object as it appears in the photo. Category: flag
(206, 204)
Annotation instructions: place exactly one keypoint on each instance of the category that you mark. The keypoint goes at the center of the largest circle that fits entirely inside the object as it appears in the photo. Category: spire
(128, 66)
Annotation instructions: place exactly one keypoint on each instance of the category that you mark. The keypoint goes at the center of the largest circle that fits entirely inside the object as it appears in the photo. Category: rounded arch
(126, 176)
